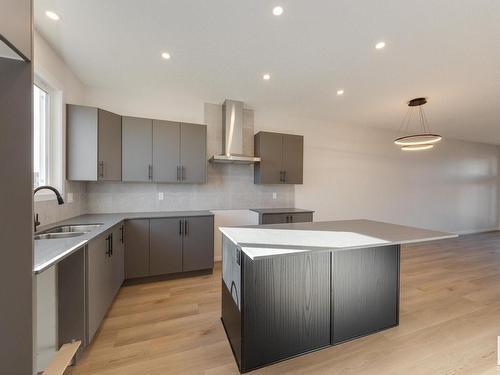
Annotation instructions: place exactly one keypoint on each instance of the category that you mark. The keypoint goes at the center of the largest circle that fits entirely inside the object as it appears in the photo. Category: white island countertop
(261, 241)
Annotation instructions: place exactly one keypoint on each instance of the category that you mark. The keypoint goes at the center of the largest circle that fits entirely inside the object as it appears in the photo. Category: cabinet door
(110, 146)
(81, 143)
(137, 149)
(269, 147)
(198, 243)
(293, 155)
(274, 218)
(99, 267)
(365, 291)
(136, 248)
(303, 217)
(193, 153)
(118, 259)
(166, 151)
(165, 246)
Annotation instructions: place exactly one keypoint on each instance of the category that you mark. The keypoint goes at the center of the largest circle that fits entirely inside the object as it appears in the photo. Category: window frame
(53, 140)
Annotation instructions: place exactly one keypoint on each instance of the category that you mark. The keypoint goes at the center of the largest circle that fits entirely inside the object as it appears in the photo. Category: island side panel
(285, 307)
(365, 291)
(231, 292)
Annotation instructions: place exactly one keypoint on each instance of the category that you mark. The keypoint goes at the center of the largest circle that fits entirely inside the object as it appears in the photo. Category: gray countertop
(49, 252)
(288, 210)
(261, 241)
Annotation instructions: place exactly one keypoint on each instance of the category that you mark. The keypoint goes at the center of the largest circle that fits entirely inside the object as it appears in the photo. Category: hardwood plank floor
(450, 320)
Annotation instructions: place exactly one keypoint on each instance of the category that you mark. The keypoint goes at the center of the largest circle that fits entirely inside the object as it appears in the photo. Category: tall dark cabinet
(16, 196)
(281, 158)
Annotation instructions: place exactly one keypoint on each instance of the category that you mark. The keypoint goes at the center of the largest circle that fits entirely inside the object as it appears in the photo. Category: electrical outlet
(69, 197)
(160, 196)
(275, 195)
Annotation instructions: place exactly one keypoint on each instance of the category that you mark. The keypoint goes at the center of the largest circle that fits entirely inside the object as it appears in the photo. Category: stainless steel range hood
(232, 136)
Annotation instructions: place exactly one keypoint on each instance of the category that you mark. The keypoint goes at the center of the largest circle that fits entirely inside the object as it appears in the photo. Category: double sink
(65, 231)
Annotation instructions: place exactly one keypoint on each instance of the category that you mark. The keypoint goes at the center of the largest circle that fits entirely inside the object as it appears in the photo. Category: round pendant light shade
(422, 139)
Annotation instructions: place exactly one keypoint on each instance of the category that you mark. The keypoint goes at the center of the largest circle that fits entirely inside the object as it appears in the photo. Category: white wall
(68, 89)
(359, 173)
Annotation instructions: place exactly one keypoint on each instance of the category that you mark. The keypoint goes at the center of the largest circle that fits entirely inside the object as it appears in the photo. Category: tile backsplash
(229, 186)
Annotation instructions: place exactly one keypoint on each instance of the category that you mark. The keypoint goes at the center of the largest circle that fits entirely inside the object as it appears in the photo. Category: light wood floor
(450, 320)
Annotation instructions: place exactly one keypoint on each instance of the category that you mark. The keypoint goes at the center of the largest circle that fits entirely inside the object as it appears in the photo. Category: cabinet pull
(291, 218)
(101, 169)
(177, 173)
(121, 232)
(150, 171)
(183, 173)
(284, 176)
(186, 227)
(108, 240)
(111, 247)
(180, 227)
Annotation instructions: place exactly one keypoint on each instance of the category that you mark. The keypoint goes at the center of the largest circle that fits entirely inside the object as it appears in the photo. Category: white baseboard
(476, 231)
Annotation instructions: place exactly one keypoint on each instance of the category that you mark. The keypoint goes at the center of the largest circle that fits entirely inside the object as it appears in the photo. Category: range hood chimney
(232, 135)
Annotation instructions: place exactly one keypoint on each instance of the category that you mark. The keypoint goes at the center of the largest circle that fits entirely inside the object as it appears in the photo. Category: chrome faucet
(60, 200)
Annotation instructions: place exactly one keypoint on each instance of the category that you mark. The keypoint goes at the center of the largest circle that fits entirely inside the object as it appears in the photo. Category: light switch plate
(69, 197)
(160, 196)
(275, 195)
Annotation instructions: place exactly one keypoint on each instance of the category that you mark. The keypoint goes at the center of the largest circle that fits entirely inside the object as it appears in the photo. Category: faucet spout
(60, 200)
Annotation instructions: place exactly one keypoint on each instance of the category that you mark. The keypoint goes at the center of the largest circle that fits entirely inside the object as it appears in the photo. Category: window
(41, 136)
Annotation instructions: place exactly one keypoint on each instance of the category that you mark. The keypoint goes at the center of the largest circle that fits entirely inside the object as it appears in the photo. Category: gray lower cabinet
(165, 246)
(136, 234)
(281, 158)
(198, 243)
(102, 280)
(168, 245)
(278, 218)
(137, 149)
(94, 139)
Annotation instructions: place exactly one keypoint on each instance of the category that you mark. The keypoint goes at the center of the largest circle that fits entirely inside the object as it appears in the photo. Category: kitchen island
(288, 289)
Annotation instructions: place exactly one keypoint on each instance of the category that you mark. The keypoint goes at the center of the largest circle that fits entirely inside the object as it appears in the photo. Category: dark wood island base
(281, 307)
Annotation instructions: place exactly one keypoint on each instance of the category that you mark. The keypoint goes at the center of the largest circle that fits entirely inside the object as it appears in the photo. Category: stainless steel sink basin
(81, 228)
(52, 236)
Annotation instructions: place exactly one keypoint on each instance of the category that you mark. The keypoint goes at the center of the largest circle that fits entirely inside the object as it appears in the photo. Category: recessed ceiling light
(165, 55)
(380, 45)
(340, 92)
(266, 77)
(52, 15)
(278, 11)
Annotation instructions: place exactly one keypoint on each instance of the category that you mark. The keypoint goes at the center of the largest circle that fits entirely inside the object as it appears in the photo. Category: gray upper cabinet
(15, 27)
(109, 146)
(281, 158)
(137, 149)
(193, 156)
(293, 158)
(165, 246)
(93, 144)
(166, 151)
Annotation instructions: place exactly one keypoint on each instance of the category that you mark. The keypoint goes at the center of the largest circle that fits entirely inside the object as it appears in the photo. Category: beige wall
(358, 173)
(51, 68)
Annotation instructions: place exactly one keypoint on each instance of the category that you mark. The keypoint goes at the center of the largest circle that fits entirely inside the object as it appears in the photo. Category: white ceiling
(447, 50)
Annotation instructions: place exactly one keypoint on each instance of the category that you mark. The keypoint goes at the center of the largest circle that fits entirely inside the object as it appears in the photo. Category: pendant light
(423, 139)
